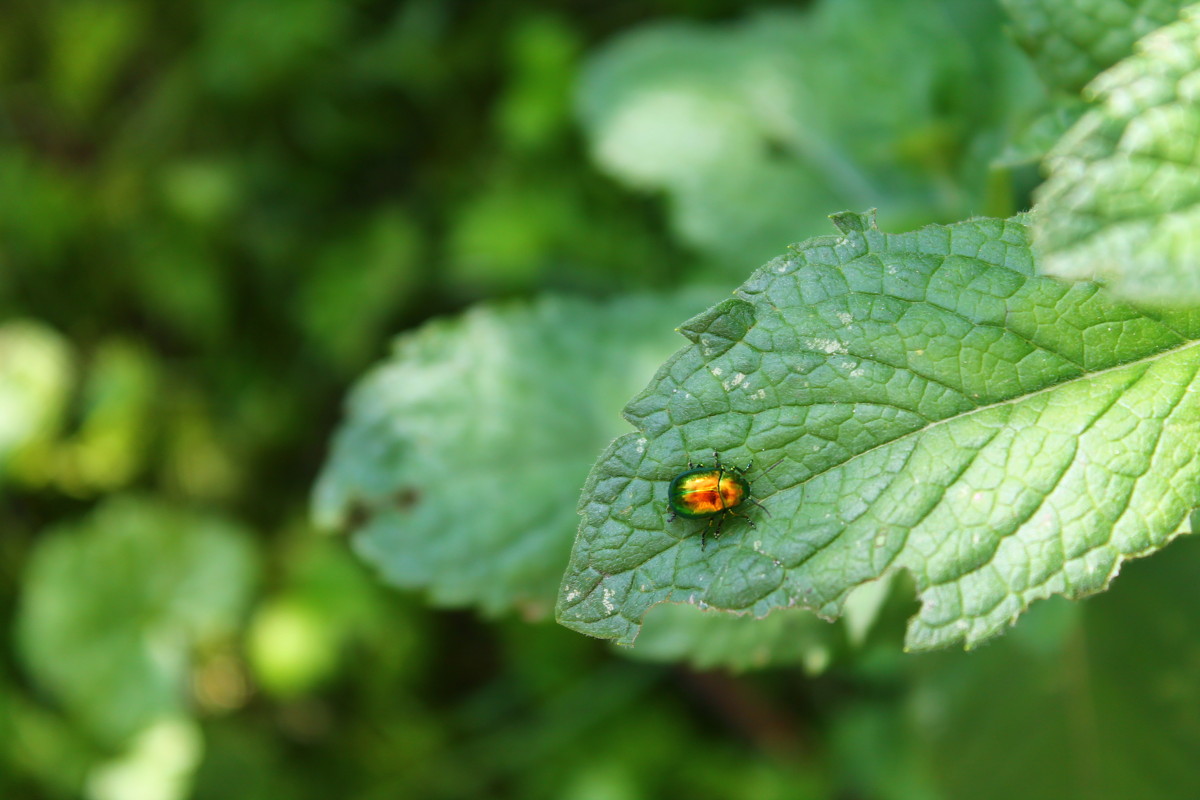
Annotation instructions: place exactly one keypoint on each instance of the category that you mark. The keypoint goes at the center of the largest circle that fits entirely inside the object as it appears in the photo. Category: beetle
(712, 493)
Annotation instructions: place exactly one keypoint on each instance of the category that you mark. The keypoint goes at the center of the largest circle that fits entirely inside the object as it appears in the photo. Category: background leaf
(708, 640)
(36, 369)
(940, 409)
(111, 639)
(459, 461)
(1109, 682)
(1122, 201)
(755, 132)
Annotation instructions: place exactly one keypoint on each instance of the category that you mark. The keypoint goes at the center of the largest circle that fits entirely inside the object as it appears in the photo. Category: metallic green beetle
(713, 493)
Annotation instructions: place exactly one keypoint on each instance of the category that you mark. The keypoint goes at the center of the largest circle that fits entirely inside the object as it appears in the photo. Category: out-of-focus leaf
(359, 280)
(520, 226)
(91, 42)
(181, 282)
(708, 639)
(1042, 132)
(759, 130)
(157, 766)
(112, 606)
(196, 463)
(119, 391)
(36, 370)
(535, 106)
(673, 632)
(292, 647)
(1122, 202)
(298, 637)
(460, 458)
(875, 755)
(203, 192)
(41, 211)
(938, 407)
(1072, 41)
(119, 395)
(504, 237)
(248, 762)
(1111, 687)
(252, 46)
(43, 745)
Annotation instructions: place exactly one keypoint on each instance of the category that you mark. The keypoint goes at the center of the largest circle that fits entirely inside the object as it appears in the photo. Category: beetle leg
(749, 521)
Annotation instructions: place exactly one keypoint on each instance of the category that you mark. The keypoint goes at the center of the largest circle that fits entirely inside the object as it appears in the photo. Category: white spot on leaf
(830, 346)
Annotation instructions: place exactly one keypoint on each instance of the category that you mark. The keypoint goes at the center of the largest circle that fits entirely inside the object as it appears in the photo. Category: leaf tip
(853, 221)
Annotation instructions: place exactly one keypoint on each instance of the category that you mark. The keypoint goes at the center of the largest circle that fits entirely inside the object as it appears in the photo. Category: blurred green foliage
(755, 130)
(215, 215)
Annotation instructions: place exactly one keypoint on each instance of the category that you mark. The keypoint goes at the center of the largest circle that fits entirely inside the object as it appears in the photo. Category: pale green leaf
(1122, 201)
(755, 129)
(112, 606)
(36, 370)
(118, 401)
(939, 408)
(708, 639)
(460, 460)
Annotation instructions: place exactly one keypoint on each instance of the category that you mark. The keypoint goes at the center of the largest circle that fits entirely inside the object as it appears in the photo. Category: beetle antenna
(760, 505)
(773, 466)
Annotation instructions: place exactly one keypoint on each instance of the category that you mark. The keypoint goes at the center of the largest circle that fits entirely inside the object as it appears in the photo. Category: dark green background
(214, 215)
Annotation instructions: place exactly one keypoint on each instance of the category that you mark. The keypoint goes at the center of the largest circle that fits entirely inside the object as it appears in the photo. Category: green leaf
(1122, 202)
(938, 408)
(252, 47)
(709, 640)
(118, 400)
(89, 45)
(36, 369)
(673, 632)
(158, 764)
(459, 462)
(1041, 133)
(42, 745)
(1111, 683)
(346, 313)
(755, 130)
(327, 601)
(1072, 41)
(112, 606)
